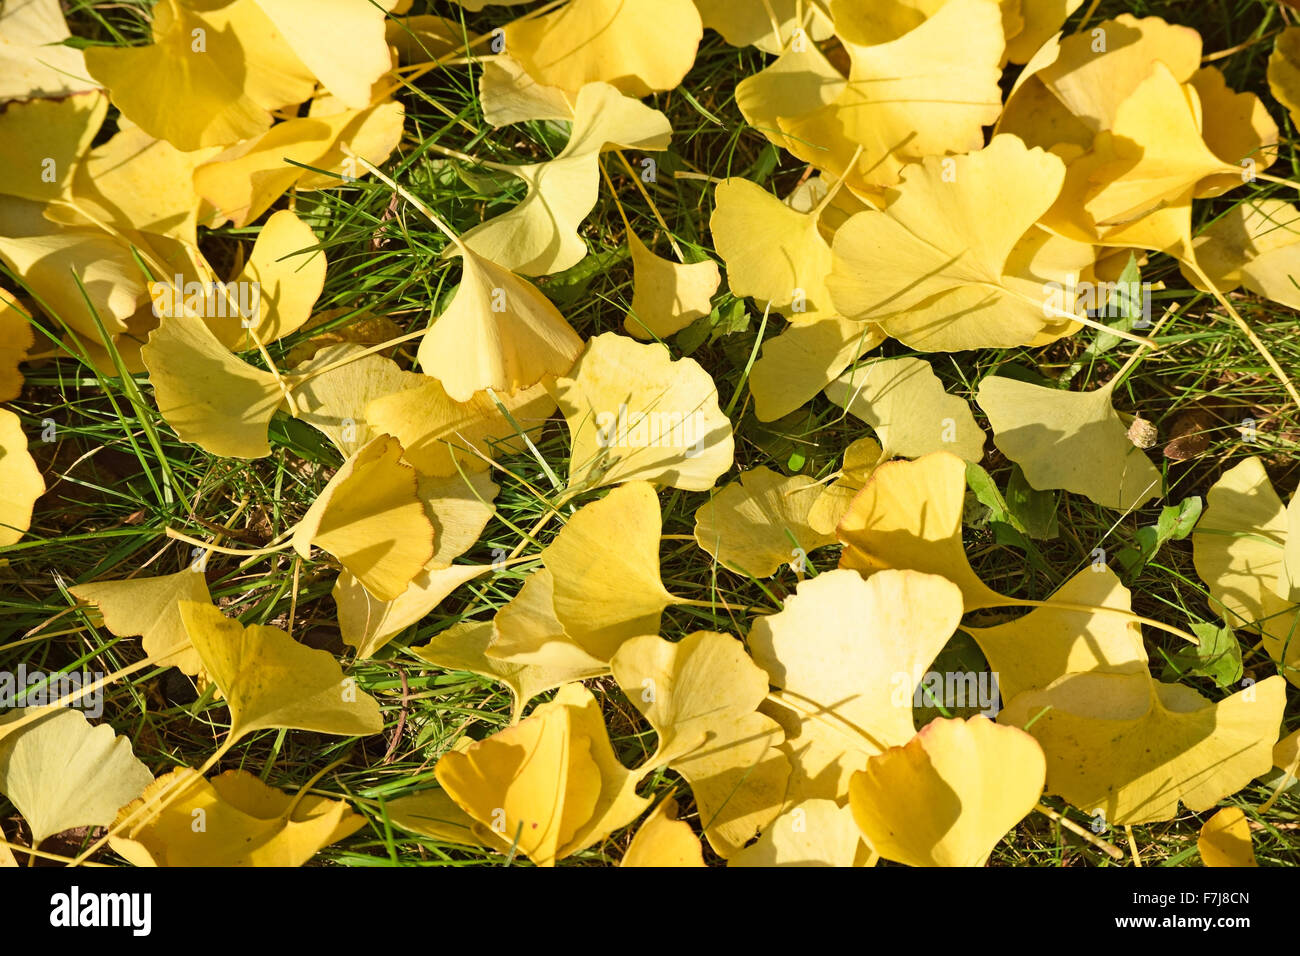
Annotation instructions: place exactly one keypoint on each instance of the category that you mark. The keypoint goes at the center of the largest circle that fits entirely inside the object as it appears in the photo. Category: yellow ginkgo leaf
(540, 235)
(667, 296)
(20, 480)
(1225, 839)
(1256, 244)
(526, 631)
(930, 268)
(207, 394)
(369, 623)
(1239, 548)
(334, 402)
(847, 655)
(1090, 84)
(499, 331)
(637, 47)
(860, 460)
(289, 273)
(549, 785)
(1288, 581)
(773, 253)
(443, 436)
(243, 181)
(136, 182)
(1133, 748)
(813, 832)
(16, 338)
(1284, 70)
(1049, 642)
(463, 647)
(43, 141)
(149, 608)
(210, 78)
(341, 42)
(1042, 19)
(1236, 128)
(44, 255)
(924, 92)
(371, 518)
(663, 840)
(1069, 440)
(60, 772)
(949, 795)
(507, 94)
(635, 413)
(269, 680)
(1286, 753)
(605, 570)
(434, 814)
(760, 522)
(797, 83)
(770, 25)
(701, 696)
(1153, 154)
(905, 403)
(459, 507)
(909, 516)
(244, 823)
(804, 359)
(33, 62)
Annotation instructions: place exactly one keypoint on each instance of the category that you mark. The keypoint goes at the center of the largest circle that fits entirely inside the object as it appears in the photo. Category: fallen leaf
(760, 522)
(948, 796)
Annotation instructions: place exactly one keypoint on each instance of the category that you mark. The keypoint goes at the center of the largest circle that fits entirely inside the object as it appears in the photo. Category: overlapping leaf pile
(961, 158)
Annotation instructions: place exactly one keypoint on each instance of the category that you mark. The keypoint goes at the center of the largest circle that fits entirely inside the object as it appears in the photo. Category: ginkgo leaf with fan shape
(269, 680)
(244, 823)
(61, 772)
(635, 413)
